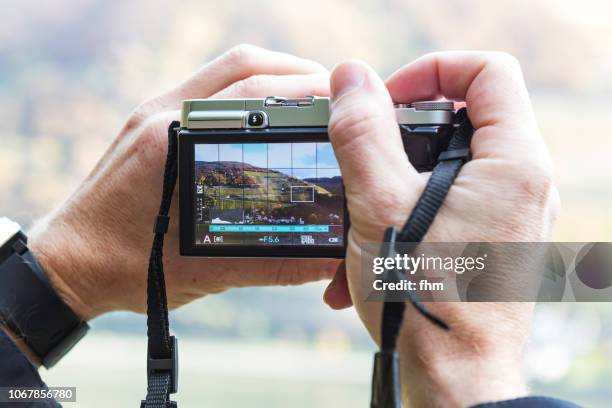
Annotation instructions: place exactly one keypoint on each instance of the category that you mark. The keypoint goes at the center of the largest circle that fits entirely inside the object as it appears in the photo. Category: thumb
(363, 128)
(337, 294)
(366, 139)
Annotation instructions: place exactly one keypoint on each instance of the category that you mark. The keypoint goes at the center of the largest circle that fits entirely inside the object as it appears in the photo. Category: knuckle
(241, 55)
(134, 121)
(535, 182)
(503, 60)
(150, 142)
(527, 201)
(142, 113)
(505, 57)
(137, 117)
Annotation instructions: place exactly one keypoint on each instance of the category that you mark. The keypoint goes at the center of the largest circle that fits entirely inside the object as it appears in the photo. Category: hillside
(247, 176)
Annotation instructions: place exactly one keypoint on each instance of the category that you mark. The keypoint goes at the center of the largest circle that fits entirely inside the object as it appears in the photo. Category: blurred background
(72, 70)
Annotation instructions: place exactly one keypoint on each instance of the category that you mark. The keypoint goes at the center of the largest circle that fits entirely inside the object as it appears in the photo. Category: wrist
(479, 360)
(61, 255)
(460, 380)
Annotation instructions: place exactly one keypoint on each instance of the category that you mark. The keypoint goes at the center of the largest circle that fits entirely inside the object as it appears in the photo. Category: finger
(493, 88)
(291, 86)
(295, 271)
(238, 63)
(337, 294)
(221, 274)
(363, 130)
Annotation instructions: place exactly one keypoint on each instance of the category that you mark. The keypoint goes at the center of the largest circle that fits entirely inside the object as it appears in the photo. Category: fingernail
(347, 76)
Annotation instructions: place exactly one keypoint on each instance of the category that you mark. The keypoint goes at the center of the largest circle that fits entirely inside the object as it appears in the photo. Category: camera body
(259, 178)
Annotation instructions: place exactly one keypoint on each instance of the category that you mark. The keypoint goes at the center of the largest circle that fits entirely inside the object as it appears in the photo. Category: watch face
(8, 229)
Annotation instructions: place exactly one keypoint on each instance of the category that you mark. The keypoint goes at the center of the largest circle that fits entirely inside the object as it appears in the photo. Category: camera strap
(386, 386)
(162, 351)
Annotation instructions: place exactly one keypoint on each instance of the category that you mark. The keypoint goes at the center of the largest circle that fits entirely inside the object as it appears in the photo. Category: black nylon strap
(162, 364)
(157, 392)
(442, 177)
(386, 367)
(386, 392)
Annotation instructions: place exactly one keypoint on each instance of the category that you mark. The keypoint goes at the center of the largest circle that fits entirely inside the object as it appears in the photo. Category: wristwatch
(29, 305)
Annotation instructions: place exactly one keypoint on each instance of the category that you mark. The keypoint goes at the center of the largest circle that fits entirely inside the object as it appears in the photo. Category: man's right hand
(504, 194)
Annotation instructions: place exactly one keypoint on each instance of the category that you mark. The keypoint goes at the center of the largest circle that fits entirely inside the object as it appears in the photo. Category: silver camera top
(311, 111)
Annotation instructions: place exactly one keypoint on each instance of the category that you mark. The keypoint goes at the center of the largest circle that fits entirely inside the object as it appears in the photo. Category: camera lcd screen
(267, 194)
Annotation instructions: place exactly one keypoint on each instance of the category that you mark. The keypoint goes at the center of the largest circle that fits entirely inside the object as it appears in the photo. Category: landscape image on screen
(268, 194)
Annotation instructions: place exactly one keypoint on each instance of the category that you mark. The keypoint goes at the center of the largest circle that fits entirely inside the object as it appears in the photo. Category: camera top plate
(312, 111)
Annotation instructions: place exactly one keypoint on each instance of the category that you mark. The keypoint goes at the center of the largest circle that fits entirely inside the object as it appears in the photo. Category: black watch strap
(31, 308)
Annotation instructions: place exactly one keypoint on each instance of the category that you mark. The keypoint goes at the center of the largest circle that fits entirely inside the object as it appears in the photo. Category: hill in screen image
(268, 196)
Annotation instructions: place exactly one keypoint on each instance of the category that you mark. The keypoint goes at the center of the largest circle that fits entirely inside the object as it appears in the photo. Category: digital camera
(259, 178)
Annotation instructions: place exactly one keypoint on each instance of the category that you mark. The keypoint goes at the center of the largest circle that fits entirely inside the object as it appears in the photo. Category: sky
(272, 155)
